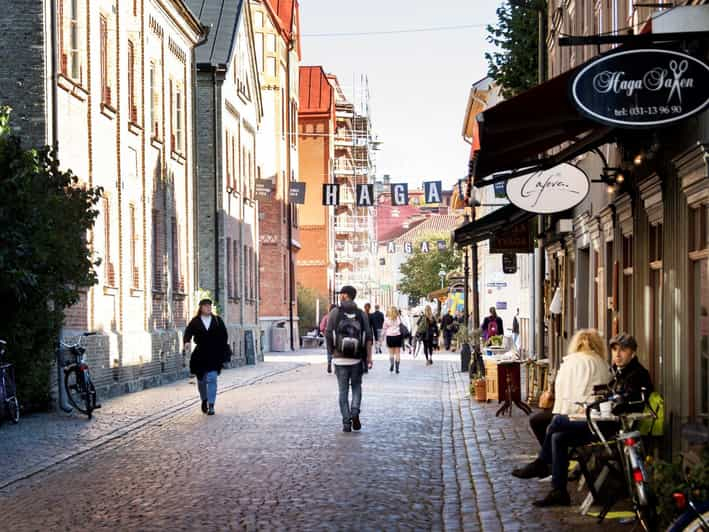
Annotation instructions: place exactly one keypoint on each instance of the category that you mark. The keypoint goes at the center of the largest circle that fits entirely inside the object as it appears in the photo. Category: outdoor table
(503, 384)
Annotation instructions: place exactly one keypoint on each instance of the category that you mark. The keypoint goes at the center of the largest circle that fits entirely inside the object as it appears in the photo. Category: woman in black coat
(211, 337)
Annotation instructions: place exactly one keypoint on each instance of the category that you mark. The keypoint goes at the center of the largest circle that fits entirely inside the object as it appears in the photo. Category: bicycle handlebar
(77, 344)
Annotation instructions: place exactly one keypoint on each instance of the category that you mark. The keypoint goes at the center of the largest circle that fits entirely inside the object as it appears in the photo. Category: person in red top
(323, 328)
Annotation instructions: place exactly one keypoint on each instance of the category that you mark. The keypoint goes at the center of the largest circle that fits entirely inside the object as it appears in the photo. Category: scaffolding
(355, 164)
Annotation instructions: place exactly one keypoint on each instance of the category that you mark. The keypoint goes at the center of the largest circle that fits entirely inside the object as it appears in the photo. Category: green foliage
(420, 272)
(668, 478)
(45, 215)
(514, 64)
(306, 308)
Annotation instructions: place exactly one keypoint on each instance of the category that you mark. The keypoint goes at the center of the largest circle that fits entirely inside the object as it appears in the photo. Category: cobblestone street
(274, 458)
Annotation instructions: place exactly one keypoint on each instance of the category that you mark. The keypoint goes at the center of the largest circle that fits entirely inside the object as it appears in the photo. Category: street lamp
(442, 275)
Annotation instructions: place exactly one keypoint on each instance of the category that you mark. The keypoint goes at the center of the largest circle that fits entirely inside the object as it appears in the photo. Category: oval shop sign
(641, 88)
(548, 191)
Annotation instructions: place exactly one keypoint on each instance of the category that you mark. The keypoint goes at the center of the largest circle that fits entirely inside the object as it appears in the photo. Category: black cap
(205, 301)
(351, 291)
(624, 341)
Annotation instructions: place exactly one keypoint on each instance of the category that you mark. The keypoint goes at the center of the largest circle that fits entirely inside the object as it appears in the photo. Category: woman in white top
(392, 332)
(584, 367)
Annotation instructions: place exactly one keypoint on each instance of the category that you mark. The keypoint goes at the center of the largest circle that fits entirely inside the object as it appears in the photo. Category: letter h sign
(331, 194)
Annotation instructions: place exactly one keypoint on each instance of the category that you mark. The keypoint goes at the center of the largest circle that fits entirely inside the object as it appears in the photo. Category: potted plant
(478, 387)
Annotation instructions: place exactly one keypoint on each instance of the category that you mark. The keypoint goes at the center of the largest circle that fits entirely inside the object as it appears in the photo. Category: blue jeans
(562, 434)
(207, 387)
(346, 376)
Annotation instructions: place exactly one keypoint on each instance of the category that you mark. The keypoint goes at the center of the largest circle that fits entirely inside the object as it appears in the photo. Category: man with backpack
(492, 325)
(349, 337)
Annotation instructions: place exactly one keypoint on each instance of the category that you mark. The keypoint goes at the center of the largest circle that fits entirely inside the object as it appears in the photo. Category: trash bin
(279, 337)
(465, 358)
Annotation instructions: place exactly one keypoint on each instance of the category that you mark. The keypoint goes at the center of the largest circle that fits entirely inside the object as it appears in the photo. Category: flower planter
(480, 387)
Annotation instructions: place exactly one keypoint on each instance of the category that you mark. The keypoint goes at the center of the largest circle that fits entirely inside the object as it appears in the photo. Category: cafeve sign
(641, 88)
(548, 191)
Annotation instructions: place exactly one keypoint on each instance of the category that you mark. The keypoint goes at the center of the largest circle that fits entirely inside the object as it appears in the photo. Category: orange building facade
(315, 268)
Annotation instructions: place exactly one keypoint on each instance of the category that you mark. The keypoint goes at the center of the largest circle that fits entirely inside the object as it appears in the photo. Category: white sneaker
(545, 479)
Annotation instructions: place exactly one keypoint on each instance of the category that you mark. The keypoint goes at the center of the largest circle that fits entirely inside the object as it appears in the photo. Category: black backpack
(349, 334)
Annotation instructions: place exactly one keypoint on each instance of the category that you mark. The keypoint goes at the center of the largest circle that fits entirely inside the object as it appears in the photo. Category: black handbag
(228, 353)
(404, 330)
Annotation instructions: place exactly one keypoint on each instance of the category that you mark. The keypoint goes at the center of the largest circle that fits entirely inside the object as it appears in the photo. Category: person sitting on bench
(630, 379)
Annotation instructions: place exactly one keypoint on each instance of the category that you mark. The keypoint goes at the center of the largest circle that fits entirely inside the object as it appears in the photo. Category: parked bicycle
(627, 449)
(9, 405)
(80, 391)
(694, 512)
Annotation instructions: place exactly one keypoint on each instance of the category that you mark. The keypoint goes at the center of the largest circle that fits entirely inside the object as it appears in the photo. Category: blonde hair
(428, 312)
(588, 341)
(392, 313)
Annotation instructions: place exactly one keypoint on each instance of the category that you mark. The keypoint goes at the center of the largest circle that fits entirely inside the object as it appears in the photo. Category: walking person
(349, 338)
(427, 330)
(449, 326)
(323, 329)
(212, 339)
(394, 338)
(368, 312)
(492, 325)
(377, 319)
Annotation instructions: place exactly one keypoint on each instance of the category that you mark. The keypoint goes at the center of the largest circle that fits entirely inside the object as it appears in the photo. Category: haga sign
(641, 88)
(547, 191)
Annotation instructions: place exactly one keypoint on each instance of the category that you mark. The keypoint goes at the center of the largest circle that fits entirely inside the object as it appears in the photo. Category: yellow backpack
(653, 426)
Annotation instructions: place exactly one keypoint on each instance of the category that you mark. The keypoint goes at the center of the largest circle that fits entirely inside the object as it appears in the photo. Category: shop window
(229, 270)
(597, 287)
(627, 302)
(237, 270)
(656, 285)
(135, 271)
(699, 317)
(158, 240)
(109, 270)
(105, 62)
(132, 104)
(582, 287)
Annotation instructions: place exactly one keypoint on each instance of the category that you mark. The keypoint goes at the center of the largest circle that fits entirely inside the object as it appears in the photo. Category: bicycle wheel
(90, 400)
(689, 521)
(76, 390)
(13, 409)
(647, 513)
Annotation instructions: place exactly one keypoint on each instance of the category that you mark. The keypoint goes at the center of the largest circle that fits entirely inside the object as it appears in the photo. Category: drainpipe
(61, 394)
(291, 269)
(217, 137)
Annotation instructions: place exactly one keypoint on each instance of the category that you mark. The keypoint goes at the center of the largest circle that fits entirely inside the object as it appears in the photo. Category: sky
(418, 82)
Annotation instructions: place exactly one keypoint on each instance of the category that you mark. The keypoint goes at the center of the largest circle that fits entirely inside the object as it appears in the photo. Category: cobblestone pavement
(274, 458)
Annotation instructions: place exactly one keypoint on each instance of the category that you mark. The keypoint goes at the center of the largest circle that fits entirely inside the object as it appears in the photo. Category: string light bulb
(619, 178)
(611, 189)
(638, 159)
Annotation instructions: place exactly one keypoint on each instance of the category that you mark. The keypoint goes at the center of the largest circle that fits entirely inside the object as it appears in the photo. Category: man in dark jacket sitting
(631, 381)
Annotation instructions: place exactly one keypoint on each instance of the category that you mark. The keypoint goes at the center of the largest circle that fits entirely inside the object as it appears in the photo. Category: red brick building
(316, 128)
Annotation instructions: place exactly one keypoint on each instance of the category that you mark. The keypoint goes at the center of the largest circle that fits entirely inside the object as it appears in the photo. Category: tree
(307, 306)
(514, 65)
(45, 259)
(420, 272)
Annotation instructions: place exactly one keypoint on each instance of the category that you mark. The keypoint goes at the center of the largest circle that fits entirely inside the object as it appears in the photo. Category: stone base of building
(126, 363)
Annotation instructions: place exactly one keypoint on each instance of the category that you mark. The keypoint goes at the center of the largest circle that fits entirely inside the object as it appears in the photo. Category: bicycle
(8, 397)
(630, 454)
(694, 513)
(80, 391)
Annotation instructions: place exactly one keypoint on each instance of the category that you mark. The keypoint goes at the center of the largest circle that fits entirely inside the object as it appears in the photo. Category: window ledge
(179, 295)
(108, 111)
(177, 157)
(110, 290)
(136, 292)
(72, 87)
(155, 142)
(158, 293)
(134, 128)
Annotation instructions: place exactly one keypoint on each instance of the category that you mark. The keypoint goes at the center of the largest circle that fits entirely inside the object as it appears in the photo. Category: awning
(441, 293)
(516, 133)
(488, 225)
